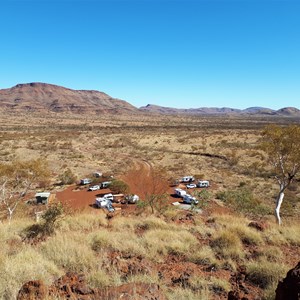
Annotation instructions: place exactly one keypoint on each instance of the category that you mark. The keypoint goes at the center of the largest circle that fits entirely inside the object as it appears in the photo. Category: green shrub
(118, 186)
(48, 225)
(242, 200)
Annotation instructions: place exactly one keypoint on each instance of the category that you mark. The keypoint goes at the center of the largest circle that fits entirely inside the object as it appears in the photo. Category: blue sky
(170, 53)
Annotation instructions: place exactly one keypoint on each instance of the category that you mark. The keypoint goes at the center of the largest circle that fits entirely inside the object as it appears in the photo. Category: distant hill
(48, 97)
(44, 97)
(287, 111)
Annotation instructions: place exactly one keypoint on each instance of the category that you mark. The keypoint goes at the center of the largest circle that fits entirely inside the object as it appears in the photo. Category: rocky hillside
(44, 97)
(287, 111)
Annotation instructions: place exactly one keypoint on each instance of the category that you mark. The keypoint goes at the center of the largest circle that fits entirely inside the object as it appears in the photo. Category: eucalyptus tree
(282, 146)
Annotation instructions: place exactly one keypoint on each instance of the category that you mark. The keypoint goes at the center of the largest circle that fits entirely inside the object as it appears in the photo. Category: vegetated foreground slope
(188, 254)
(44, 97)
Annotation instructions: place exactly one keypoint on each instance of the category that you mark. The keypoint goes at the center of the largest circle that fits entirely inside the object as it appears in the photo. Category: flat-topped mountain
(287, 111)
(48, 97)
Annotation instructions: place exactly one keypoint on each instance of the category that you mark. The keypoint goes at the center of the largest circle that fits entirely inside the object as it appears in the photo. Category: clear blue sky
(170, 53)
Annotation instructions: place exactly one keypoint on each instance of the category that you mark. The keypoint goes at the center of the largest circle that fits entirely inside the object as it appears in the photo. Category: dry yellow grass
(83, 241)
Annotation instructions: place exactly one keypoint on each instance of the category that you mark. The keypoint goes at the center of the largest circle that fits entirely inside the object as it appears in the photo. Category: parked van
(203, 183)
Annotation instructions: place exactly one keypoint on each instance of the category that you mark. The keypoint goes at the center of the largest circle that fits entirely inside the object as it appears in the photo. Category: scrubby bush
(67, 177)
(243, 200)
(118, 186)
(48, 225)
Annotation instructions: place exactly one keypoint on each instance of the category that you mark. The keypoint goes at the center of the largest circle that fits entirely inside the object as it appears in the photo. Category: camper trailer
(189, 199)
(203, 183)
(43, 198)
(85, 181)
(187, 179)
(180, 192)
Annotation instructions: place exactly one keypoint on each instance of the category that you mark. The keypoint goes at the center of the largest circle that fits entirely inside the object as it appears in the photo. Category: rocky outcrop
(33, 290)
(289, 287)
(73, 286)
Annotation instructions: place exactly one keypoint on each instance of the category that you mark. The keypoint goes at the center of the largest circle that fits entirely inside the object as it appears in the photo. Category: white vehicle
(85, 181)
(186, 179)
(132, 199)
(109, 197)
(191, 185)
(105, 184)
(94, 188)
(102, 202)
(203, 183)
(180, 192)
(97, 174)
(189, 199)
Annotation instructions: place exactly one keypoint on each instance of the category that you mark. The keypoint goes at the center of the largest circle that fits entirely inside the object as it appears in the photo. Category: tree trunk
(10, 213)
(278, 206)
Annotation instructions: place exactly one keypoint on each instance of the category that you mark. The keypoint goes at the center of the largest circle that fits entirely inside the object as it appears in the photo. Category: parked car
(94, 188)
(191, 185)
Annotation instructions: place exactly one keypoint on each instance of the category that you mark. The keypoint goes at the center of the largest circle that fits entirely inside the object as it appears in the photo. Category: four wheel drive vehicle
(105, 184)
(94, 188)
(187, 179)
(191, 185)
(189, 199)
(85, 181)
(203, 183)
(180, 192)
(132, 199)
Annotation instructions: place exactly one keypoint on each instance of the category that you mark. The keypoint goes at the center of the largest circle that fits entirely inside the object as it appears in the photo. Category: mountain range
(43, 97)
(286, 111)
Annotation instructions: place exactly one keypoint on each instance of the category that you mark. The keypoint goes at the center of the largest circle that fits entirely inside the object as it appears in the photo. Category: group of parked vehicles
(106, 200)
(187, 198)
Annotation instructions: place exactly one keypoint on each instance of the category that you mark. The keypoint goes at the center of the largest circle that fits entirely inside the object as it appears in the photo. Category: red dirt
(79, 199)
(139, 180)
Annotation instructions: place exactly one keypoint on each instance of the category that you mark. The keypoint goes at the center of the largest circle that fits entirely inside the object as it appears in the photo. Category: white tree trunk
(10, 213)
(278, 206)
